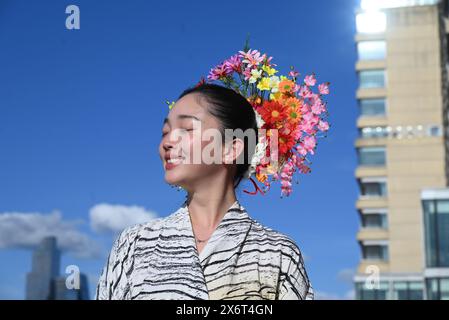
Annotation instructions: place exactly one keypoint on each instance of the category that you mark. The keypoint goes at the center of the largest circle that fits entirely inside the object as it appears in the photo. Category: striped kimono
(241, 260)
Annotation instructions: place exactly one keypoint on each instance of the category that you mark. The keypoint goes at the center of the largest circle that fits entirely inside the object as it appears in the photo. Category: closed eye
(184, 129)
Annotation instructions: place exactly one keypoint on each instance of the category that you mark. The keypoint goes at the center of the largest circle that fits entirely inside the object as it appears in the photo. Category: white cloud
(26, 230)
(113, 218)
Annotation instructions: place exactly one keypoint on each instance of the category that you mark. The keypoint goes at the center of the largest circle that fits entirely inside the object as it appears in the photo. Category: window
(367, 293)
(374, 220)
(372, 79)
(372, 107)
(373, 189)
(373, 132)
(371, 50)
(411, 290)
(434, 131)
(371, 156)
(437, 288)
(375, 252)
(436, 224)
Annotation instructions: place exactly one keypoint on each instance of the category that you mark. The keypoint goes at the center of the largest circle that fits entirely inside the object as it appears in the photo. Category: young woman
(210, 248)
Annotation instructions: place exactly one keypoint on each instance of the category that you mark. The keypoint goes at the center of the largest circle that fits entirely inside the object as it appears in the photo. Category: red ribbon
(256, 188)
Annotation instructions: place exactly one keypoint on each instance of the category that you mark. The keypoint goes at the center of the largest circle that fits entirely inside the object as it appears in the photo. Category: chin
(173, 177)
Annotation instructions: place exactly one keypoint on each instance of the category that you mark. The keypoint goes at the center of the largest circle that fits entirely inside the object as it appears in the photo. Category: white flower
(259, 152)
(274, 83)
(255, 74)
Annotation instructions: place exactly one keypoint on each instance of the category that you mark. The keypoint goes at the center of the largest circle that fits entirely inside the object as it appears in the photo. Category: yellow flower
(170, 104)
(264, 84)
(276, 96)
(270, 71)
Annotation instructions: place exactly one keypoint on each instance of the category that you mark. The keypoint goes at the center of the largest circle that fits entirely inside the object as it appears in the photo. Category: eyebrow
(183, 116)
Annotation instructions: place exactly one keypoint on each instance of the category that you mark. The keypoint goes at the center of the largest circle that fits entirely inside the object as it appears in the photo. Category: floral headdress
(280, 102)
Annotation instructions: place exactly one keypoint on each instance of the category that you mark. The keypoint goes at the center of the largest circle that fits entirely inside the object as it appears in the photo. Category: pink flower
(293, 73)
(318, 107)
(219, 72)
(296, 88)
(324, 88)
(323, 125)
(305, 108)
(308, 123)
(310, 117)
(305, 92)
(234, 63)
(252, 58)
(247, 73)
(267, 61)
(286, 183)
(309, 143)
(301, 150)
(310, 80)
(304, 168)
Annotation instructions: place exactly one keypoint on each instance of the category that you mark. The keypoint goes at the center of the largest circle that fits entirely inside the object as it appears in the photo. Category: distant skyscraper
(402, 148)
(44, 282)
(45, 267)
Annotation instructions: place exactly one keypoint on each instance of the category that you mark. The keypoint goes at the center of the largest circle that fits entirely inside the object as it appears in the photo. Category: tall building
(403, 143)
(44, 281)
(45, 267)
(436, 233)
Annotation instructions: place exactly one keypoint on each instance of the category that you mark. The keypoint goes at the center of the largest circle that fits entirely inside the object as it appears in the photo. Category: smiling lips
(172, 162)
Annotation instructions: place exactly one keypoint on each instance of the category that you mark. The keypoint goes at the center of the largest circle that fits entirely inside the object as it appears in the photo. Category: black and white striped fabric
(241, 260)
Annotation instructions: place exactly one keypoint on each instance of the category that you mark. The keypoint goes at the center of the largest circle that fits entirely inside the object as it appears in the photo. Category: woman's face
(184, 138)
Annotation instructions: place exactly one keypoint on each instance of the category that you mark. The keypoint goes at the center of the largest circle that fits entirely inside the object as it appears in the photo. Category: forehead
(193, 105)
(187, 105)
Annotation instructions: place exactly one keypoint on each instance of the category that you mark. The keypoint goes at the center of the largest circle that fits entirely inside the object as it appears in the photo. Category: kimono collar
(230, 232)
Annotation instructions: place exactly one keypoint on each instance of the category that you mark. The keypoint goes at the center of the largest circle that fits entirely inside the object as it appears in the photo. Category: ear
(232, 150)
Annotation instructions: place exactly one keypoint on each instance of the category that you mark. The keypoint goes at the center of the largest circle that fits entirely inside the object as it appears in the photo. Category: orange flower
(293, 102)
(286, 86)
(261, 177)
(294, 106)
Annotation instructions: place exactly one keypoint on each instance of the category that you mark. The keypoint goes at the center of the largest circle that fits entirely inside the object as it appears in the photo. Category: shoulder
(284, 242)
(113, 282)
(143, 234)
(146, 232)
(293, 282)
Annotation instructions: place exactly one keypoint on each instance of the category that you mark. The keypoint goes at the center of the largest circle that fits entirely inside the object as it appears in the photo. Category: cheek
(161, 149)
(196, 144)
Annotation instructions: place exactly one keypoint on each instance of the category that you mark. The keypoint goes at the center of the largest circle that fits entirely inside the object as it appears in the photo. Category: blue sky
(81, 114)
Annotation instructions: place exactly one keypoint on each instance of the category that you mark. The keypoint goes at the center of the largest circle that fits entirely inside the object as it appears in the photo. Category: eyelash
(163, 134)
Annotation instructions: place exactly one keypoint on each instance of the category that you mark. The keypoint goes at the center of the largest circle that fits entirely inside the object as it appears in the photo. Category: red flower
(272, 112)
(201, 82)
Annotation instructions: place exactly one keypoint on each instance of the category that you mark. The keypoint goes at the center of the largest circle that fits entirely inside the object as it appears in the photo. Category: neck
(209, 203)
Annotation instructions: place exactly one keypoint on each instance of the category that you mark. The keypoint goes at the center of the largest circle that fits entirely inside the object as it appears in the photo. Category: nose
(167, 145)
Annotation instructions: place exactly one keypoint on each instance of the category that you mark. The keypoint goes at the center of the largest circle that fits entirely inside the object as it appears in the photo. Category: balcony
(372, 234)
(365, 266)
(371, 202)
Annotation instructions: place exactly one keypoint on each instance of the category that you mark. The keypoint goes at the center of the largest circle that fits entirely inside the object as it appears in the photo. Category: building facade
(44, 281)
(403, 144)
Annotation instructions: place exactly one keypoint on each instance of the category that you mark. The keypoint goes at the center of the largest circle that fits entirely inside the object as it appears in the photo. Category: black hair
(233, 112)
